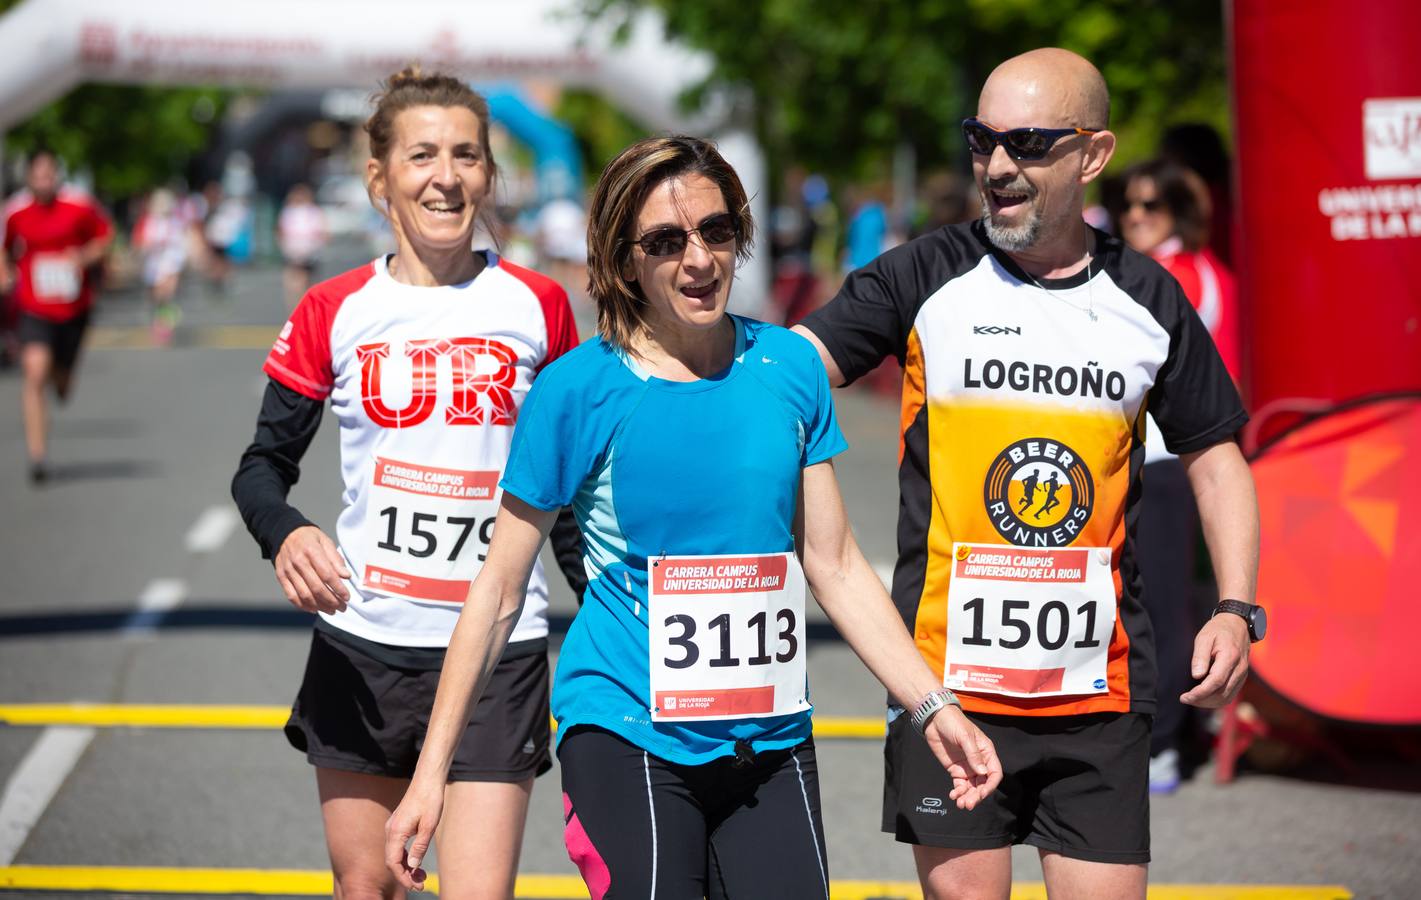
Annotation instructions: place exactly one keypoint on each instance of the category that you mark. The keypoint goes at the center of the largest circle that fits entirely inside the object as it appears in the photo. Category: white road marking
(160, 597)
(36, 780)
(211, 529)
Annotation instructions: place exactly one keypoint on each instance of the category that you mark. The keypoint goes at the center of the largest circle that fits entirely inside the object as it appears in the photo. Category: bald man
(1031, 343)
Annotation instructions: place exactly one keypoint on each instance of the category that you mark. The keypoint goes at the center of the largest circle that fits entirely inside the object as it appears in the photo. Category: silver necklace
(1089, 308)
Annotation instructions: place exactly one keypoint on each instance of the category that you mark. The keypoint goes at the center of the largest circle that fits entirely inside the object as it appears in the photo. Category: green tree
(602, 129)
(838, 84)
(129, 138)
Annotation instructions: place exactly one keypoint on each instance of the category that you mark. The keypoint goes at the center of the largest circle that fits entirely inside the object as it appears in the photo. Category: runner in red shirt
(52, 240)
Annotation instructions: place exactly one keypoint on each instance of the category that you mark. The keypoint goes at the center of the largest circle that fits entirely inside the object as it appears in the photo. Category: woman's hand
(413, 823)
(310, 570)
(966, 753)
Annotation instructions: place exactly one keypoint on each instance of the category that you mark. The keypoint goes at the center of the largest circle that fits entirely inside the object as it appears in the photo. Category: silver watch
(930, 706)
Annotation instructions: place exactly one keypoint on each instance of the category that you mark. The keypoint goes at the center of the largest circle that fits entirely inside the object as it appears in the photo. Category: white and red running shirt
(426, 383)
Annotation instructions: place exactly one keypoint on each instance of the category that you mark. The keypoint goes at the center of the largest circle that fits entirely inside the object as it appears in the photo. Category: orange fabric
(914, 389)
(964, 439)
(1340, 564)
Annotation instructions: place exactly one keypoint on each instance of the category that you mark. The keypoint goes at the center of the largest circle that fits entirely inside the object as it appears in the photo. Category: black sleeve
(872, 315)
(272, 464)
(1193, 400)
(566, 539)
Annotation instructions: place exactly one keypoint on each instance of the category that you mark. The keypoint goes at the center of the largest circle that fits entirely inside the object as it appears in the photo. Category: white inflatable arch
(49, 46)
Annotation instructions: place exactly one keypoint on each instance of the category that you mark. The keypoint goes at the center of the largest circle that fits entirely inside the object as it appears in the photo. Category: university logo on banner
(1391, 135)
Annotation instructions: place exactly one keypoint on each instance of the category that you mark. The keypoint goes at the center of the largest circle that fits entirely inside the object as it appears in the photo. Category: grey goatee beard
(1012, 239)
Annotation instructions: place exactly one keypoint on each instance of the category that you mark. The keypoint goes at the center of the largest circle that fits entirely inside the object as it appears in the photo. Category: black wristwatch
(1253, 614)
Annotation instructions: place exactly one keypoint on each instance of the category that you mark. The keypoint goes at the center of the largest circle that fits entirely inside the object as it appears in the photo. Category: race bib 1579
(427, 529)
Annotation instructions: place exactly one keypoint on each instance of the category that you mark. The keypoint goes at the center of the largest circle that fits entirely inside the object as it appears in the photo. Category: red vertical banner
(1327, 106)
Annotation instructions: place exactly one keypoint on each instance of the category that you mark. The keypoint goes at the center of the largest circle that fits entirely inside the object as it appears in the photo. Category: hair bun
(410, 74)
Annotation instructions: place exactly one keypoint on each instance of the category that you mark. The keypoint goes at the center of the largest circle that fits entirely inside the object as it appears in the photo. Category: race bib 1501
(726, 637)
(1029, 622)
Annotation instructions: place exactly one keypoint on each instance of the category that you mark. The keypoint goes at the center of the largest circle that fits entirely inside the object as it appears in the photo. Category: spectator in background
(1199, 148)
(223, 227)
(868, 234)
(824, 253)
(947, 199)
(161, 238)
(1164, 213)
(560, 236)
(301, 234)
(52, 241)
(792, 235)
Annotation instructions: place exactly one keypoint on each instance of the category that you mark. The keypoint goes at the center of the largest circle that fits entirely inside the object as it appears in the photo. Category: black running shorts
(357, 713)
(1073, 785)
(638, 826)
(64, 338)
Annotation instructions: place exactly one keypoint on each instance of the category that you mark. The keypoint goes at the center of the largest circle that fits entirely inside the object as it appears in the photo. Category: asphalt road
(127, 580)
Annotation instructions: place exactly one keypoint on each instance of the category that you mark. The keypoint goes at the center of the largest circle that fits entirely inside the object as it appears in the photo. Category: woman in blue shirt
(694, 447)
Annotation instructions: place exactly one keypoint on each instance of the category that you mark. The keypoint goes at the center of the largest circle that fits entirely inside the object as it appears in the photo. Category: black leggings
(1169, 525)
(641, 827)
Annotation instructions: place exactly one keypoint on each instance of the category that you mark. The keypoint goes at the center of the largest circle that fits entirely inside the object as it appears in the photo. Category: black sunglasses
(1153, 205)
(1020, 143)
(718, 229)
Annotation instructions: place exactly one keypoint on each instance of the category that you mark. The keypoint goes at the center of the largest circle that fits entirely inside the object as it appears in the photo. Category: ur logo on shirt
(1038, 493)
(482, 367)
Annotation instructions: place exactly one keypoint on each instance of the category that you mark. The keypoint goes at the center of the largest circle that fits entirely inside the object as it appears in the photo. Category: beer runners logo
(1039, 493)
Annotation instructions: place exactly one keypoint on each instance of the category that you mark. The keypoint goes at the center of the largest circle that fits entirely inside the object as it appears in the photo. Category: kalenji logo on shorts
(1039, 493)
(482, 368)
(931, 806)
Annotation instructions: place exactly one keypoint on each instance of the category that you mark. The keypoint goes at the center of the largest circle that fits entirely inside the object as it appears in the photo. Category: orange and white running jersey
(426, 383)
(1022, 440)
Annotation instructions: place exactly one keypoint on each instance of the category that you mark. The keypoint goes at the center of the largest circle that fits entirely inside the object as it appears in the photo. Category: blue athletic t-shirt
(654, 467)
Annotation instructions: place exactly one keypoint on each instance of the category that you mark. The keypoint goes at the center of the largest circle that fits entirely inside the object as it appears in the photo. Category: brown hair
(611, 220)
(411, 87)
(1184, 194)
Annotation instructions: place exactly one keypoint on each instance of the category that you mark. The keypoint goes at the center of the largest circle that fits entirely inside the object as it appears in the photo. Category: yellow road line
(112, 337)
(848, 728)
(294, 882)
(231, 337)
(165, 881)
(139, 715)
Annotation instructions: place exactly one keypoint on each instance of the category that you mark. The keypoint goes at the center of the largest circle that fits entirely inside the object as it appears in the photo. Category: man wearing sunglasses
(1033, 346)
